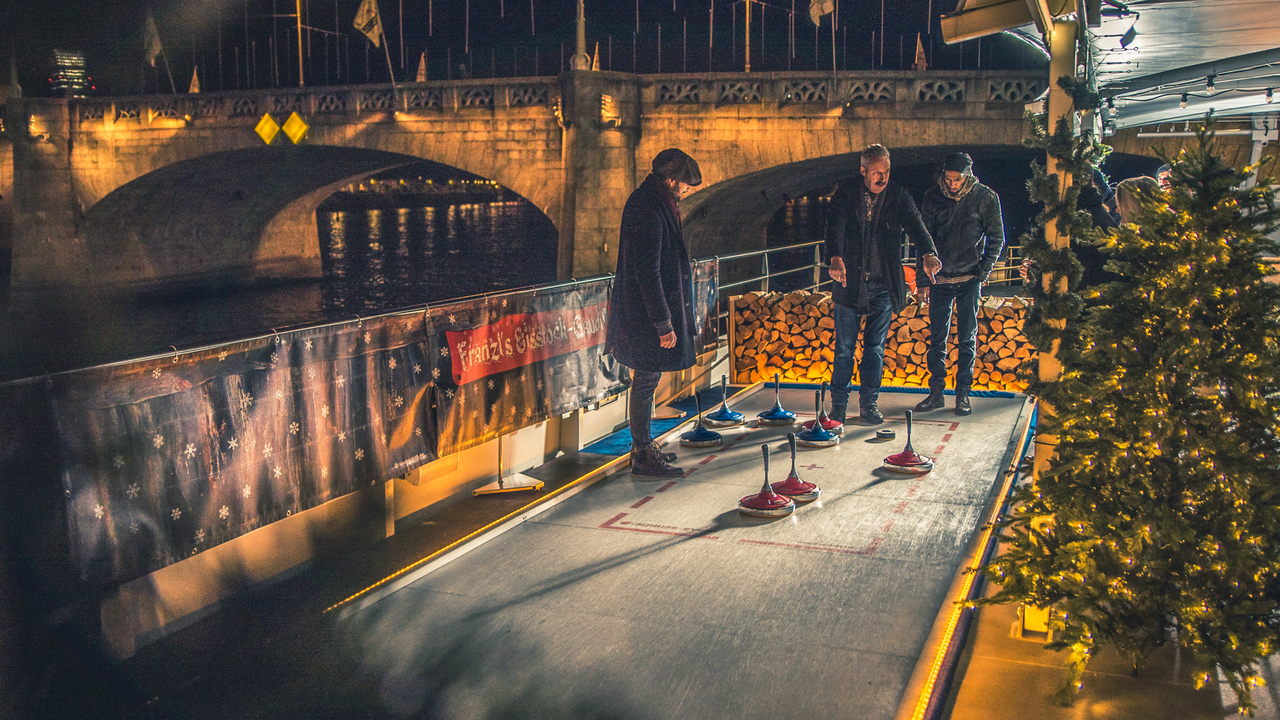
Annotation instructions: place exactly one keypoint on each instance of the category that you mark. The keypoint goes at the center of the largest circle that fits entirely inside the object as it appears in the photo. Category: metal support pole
(301, 79)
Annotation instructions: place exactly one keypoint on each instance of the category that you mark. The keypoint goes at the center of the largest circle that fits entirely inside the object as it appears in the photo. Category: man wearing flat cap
(651, 327)
(963, 217)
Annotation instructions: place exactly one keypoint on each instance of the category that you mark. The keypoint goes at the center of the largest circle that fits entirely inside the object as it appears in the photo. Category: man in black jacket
(963, 216)
(651, 327)
(864, 253)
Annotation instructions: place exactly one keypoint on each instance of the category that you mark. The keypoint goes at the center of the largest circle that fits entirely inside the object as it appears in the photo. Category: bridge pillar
(601, 116)
(44, 206)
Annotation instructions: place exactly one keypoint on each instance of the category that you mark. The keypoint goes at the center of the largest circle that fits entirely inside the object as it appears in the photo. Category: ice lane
(656, 599)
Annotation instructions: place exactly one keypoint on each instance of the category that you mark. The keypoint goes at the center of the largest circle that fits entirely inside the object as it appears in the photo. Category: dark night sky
(110, 34)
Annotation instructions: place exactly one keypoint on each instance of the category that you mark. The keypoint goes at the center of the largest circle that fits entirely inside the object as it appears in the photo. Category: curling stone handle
(764, 450)
(791, 440)
(822, 402)
(817, 404)
(724, 389)
(697, 403)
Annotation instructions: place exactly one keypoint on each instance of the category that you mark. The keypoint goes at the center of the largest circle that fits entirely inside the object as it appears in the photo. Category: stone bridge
(166, 191)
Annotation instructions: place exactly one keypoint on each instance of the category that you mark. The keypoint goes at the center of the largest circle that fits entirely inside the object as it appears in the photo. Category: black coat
(897, 218)
(969, 232)
(653, 287)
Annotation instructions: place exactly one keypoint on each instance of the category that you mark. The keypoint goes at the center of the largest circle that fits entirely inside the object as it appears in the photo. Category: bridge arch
(732, 215)
(231, 216)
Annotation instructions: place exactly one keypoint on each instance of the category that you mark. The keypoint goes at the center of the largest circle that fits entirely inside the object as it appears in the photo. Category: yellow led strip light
(926, 693)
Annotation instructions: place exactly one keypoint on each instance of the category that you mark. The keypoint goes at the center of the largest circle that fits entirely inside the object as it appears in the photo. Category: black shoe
(837, 413)
(871, 415)
(649, 462)
(933, 402)
(962, 405)
(666, 456)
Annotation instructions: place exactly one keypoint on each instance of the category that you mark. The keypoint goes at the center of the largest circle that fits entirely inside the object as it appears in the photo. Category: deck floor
(645, 598)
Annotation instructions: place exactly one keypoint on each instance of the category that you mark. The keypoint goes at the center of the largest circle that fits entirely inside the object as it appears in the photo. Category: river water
(375, 260)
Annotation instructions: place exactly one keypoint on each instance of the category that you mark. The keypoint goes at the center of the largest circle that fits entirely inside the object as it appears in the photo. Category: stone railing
(1012, 88)
(336, 102)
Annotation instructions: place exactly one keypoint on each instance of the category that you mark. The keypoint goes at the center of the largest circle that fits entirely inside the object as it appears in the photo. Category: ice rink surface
(643, 598)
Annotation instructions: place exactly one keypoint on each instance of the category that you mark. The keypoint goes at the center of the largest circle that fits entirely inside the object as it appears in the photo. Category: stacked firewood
(793, 335)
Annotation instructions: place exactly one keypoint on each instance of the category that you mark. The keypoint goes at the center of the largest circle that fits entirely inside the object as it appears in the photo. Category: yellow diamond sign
(295, 128)
(267, 128)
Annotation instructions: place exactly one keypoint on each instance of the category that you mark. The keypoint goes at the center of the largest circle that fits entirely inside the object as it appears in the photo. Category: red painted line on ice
(708, 459)
(725, 448)
(887, 526)
(868, 550)
(689, 472)
(939, 449)
(946, 438)
(616, 522)
(666, 487)
(902, 506)
(813, 467)
(643, 501)
(911, 491)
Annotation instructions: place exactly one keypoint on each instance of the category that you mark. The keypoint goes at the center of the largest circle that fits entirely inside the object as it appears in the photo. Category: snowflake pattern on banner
(158, 466)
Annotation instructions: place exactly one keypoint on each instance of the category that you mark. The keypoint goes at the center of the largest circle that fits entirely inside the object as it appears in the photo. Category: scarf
(969, 182)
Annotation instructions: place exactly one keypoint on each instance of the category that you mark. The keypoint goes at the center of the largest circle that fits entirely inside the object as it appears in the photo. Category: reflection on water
(374, 260)
(379, 259)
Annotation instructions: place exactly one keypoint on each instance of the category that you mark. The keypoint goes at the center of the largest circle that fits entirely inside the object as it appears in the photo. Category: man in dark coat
(963, 217)
(864, 251)
(651, 326)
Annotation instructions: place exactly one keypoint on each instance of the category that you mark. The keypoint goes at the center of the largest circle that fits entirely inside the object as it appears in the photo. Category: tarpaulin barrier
(706, 296)
(515, 360)
(163, 458)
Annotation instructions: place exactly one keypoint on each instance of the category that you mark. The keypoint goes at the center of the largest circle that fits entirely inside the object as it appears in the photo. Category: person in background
(651, 328)
(1129, 195)
(1099, 200)
(1164, 176)
(963, 218)
(872, 221)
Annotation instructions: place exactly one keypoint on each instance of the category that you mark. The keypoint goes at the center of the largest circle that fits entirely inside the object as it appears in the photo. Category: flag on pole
(920, 65)
(369, 21)
(151, 39)
(818, 8)
(195, 80)
(422, 68)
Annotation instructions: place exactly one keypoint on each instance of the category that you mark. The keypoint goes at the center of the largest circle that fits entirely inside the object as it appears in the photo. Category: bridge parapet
(807, 89)
(322, 103)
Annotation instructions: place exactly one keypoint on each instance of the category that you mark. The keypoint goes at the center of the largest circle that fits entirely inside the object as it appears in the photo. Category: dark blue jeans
(964, 297)
(879, 313)
(643, 385)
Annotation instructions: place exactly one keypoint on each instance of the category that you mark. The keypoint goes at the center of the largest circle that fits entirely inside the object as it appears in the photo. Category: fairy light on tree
(1162, 498)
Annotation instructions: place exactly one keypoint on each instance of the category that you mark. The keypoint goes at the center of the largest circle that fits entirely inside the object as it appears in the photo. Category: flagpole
(835, 13)
(169, 72)
(387, 51)
(299, 14)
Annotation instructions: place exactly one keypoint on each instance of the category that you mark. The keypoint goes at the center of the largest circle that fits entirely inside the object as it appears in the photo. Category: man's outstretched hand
(931, 266)
(837, 271)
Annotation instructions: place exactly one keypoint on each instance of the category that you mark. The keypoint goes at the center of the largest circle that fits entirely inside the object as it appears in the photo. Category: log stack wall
(793, 334)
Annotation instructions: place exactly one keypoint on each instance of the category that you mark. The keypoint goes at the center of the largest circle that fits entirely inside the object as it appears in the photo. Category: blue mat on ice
(619, 442)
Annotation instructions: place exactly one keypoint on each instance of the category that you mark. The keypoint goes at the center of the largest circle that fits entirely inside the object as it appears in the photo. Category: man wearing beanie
(864, 251)
(963, 216)
(651, 326)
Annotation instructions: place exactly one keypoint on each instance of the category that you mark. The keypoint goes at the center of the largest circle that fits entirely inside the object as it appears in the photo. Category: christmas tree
(1159, 518)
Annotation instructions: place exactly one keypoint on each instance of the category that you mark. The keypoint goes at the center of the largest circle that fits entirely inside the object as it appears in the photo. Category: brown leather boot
(648, 461)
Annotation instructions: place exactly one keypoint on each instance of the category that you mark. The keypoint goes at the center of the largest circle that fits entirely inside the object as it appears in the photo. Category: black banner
(706, 293)
(164, 458)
